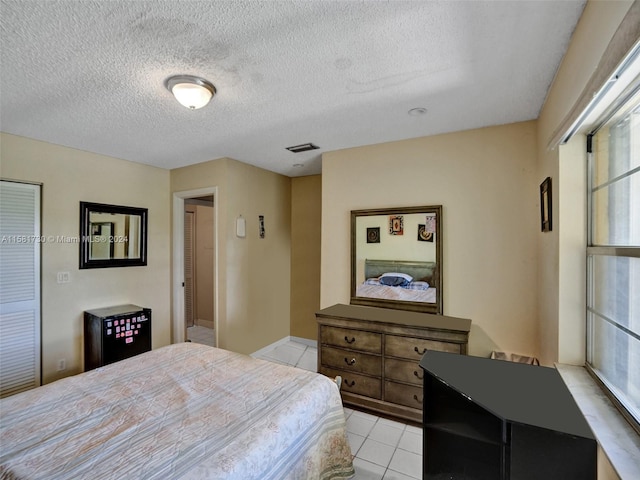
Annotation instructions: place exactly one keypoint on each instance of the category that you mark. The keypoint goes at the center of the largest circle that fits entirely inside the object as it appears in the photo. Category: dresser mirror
(112, 236)
(396, 258)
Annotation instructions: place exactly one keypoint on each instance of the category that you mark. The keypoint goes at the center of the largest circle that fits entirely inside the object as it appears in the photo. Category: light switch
(63, 277)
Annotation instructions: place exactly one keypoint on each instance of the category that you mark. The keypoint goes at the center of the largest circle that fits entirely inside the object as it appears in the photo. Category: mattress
(185, 411)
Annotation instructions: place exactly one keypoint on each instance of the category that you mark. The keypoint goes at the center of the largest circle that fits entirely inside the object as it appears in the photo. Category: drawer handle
(419, 400)
(424, 350)
(415, 372)
(353, 382)
(350, 362)
(346, 339)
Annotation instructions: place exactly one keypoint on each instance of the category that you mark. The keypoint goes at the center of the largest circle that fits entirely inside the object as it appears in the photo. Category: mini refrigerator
(115, 333)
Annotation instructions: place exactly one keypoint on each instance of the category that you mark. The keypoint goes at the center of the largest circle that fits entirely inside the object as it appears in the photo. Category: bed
(185, 411)
(421, 287)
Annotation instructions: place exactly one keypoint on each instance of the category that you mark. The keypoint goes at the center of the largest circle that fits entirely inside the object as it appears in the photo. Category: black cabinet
(115, 333)
(490, 419)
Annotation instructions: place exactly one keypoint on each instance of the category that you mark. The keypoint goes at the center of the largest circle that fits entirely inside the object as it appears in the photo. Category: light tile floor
(384, 449)
(202, 335)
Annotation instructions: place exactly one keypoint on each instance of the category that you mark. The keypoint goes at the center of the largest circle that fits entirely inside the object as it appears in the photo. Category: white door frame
(178, 329)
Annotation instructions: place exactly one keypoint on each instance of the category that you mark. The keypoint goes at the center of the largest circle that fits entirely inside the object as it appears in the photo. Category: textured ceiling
(90, 74)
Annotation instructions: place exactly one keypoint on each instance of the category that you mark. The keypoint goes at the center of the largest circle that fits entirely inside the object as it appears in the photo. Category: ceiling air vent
(302, 148)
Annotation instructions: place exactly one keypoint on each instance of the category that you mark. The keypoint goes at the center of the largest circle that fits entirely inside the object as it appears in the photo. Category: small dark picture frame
(545, 205)
(396, 225)
(373, 235)
(423, 235)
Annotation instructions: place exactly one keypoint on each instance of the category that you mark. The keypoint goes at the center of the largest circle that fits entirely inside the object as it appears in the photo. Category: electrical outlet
(62, 364)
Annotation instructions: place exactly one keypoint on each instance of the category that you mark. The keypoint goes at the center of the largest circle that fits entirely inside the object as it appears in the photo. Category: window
(613, 255)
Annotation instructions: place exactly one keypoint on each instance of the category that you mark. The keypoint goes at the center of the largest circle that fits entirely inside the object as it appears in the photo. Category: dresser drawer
(347, 338)
(350, 361)
(403, 371)
(406, 395)
(415, 348)
(355, 383)
(377, 352)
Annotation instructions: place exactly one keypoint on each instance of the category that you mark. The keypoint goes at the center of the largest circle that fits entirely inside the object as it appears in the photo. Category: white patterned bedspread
(396, 293)
(185, 411)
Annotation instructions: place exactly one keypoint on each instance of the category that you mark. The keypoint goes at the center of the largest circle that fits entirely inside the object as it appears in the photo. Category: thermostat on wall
(241, 227)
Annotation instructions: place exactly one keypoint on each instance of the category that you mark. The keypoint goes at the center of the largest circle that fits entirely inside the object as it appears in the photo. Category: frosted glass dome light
(192, 92)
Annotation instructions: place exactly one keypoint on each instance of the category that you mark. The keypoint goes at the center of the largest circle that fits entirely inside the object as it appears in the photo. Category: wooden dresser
(376, 351)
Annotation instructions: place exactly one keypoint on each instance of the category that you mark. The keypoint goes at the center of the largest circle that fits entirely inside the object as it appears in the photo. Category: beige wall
(69, 176)
(204, 267)
(203, 256)
(253, 273)
(486, 181)
(562, 275)
(306, 218)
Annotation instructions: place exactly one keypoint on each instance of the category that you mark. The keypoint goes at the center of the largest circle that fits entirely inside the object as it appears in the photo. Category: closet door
(19, 287)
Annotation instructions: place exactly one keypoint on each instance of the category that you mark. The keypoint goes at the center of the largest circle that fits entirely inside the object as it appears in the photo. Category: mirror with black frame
(112, 236)
(396, 258)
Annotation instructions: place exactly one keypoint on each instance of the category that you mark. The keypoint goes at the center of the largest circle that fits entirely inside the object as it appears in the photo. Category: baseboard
(204, 323)
(306, 341)
(264, 350)
(282, 341)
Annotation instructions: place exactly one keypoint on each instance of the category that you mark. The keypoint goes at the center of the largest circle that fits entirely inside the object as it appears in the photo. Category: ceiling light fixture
(192, 92)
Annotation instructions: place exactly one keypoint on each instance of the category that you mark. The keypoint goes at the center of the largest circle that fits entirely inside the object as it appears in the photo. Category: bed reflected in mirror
(396, 258)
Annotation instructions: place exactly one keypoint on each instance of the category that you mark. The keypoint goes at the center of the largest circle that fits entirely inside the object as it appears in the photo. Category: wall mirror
(396, 258)
(112, 236)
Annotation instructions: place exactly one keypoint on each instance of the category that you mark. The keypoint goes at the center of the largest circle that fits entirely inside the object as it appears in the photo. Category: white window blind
(19, 287)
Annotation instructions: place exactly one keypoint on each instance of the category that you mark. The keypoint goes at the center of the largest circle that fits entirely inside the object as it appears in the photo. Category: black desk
(492, 419)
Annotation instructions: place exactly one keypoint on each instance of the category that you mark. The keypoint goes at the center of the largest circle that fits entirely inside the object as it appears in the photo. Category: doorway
(195, 297)
(198, 269)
